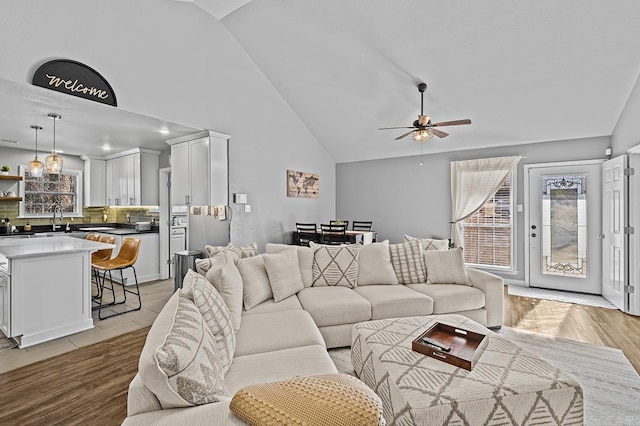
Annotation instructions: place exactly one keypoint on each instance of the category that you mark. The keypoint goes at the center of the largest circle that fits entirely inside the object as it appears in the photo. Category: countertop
(38, 246)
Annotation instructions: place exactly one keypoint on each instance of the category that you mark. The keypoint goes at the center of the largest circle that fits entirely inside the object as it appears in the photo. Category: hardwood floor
(89, 385)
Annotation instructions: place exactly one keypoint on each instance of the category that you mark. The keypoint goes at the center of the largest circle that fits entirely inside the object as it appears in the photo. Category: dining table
(354, 237)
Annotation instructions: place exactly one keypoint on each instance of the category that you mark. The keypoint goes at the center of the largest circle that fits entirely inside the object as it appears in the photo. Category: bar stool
(101, 256)
(92, 237)
(126, 258)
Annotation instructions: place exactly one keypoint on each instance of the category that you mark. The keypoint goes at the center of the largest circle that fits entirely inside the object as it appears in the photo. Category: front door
(564, 229)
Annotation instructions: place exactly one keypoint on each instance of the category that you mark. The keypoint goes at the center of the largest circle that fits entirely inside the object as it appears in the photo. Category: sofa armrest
(493, 288)
(140, 399)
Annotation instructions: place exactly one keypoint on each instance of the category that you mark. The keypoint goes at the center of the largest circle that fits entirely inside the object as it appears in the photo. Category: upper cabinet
(199, 169)
(129, 178)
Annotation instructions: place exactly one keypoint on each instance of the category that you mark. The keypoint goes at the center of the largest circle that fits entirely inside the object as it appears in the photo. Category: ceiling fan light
(422, 135)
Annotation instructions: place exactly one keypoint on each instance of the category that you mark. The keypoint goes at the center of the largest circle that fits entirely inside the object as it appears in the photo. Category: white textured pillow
(305, 259)
(335, 265)
(217, 317)
(408, 262)
(430, 243)
(185, 370)
(284, 273)
(249, 250)
(255, 281)
(374, 264)
(446, 267)
(223, 273)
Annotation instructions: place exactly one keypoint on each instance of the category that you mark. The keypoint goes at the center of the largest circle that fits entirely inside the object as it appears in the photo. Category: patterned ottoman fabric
(507, 386)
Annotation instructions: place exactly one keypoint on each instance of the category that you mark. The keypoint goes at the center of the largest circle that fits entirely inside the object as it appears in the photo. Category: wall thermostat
(240, 198)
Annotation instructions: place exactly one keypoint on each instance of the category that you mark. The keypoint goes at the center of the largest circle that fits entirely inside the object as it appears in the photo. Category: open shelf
(10, 177)
(10, 198)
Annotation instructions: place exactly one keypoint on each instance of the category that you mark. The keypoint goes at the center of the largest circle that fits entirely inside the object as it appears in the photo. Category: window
(39, 195)
(487, 234)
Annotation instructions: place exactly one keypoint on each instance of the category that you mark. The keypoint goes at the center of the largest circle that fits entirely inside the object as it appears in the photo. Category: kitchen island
(45, 287)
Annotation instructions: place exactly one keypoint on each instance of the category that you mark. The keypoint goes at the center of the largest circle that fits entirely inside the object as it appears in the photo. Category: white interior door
(614, 220)
(564, 227)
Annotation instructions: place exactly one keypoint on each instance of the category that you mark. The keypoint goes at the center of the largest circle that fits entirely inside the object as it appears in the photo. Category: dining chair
(362, 226)
(333, 234)
(101, 256)
(126, 258)
(306, 233)
(340, 222)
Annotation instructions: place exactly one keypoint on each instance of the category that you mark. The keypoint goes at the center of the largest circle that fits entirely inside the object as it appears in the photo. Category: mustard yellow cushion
(330, 399)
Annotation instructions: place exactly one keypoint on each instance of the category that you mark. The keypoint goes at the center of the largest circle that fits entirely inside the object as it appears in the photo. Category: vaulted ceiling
(522, 71)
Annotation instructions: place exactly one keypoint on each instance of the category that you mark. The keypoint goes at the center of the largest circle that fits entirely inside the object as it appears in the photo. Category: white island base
(49, 288)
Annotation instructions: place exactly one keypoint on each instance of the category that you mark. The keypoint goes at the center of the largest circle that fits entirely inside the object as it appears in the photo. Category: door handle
(601, 236)
(533, 235)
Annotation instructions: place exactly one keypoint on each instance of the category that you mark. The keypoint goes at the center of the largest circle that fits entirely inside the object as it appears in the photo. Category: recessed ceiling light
(164, 131)
(106, 147)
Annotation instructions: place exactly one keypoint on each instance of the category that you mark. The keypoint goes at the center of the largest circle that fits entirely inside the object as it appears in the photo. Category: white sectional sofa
(288, 338)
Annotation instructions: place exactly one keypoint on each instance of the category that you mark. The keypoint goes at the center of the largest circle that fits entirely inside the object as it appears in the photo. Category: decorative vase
(4, 173)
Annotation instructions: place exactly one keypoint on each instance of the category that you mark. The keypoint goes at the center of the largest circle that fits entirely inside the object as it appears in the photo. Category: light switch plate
(247, 208)
(240, 198)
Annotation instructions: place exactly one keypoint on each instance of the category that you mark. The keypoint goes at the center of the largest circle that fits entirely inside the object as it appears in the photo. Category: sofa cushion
(249, 250)
(325, 399)
(391, 301)
(374, 265)
(217, 317)
(335, 265)
(222, 272)
(278, 365)
(446, 267)
(430, 243)
(305, 259)
(275, 331)
(334, 305)
(255, 281)
(289, 304)
(284, 273)
(449, 298)
(179, 361)
(408, 262)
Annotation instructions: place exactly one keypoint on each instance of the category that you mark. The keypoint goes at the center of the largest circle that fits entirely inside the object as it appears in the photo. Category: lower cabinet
(5, 298)
(148, 264)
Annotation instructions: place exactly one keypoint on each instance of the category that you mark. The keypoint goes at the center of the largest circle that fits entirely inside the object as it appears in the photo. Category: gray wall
(15, 157)
(402, 197)
(626, 133)
(171, 61)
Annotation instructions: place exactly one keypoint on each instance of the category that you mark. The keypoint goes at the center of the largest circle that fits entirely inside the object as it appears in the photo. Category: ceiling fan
(423, 129)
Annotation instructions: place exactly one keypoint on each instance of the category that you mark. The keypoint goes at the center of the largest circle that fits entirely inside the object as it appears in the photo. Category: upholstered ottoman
(507, 386)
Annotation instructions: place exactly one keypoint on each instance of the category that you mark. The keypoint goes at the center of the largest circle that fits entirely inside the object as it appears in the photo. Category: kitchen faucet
(57, 207)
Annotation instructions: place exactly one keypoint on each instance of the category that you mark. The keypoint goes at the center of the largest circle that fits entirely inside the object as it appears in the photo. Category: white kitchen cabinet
(148, 263)
(5, 299)
(95, 175)
(178, 242)
(132, 178)
(199, 169)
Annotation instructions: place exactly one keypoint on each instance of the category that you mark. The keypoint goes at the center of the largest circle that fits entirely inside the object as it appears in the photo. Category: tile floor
(154, 296)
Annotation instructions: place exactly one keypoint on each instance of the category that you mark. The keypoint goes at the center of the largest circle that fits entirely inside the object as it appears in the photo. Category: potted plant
(4, 170)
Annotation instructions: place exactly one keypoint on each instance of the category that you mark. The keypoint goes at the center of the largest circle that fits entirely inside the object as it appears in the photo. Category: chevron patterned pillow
(335, 265)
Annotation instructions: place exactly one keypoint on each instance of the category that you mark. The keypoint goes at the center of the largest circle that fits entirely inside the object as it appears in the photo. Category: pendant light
(36, 167)
(54, 161)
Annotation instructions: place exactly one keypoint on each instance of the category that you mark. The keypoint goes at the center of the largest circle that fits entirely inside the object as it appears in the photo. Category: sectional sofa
(288, 305)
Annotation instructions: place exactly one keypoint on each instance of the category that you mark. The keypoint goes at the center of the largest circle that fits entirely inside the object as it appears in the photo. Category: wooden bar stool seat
(126, 258)
(100, 256)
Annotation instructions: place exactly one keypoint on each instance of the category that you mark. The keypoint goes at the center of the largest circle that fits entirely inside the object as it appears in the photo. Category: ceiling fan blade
(439, 133)
(404, 135)
(452, 123)
(389, 128)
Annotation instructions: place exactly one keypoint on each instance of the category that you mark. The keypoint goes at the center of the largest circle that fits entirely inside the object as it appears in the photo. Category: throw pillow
(255, 281)
(374, 264)
(187, 370)
(335, 265)
(330, 399)
(249, 250)
(408, 262)
(204, 265)
(305, 259)
(284, 273)
(225, 277)
(430, 243)
(446, 267)
(217, 317)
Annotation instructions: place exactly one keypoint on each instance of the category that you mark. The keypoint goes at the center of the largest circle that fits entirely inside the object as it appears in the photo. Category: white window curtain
(473, 183)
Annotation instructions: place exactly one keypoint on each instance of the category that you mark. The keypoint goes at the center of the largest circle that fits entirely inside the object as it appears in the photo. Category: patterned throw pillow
(446, 267)
(430, 243)
(225, 277)
(249, 250)
(335, 265)
(255, 281)
(330, 399)
(188, 361)
(408, 262)
(217, 316)
(284, 273)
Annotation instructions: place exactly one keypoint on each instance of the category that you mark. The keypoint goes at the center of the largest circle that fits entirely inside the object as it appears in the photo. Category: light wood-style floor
(89, 385)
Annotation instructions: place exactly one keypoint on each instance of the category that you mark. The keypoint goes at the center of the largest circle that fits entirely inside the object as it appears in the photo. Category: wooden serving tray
(466, 346)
